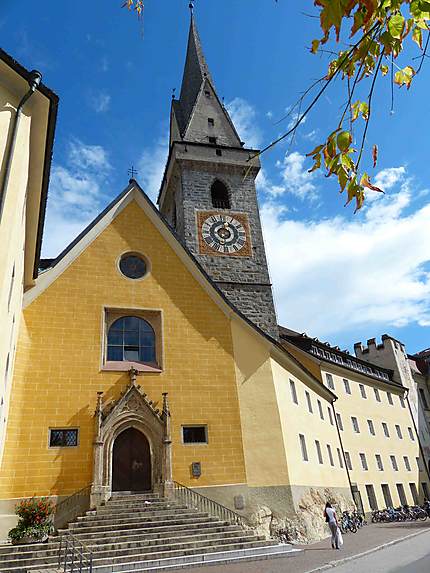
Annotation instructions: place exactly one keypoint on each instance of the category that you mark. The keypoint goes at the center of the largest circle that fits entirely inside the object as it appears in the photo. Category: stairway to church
(133, 533)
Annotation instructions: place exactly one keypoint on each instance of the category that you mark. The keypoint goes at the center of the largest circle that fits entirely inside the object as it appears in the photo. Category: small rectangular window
(355, 424)
(218, 152)
(330, 455)
(423, 398)
(390, 398)
(320, 410)
(339, 455)
(394, 463)
(293, 392)
(339, 421)
(212, 140)
(401, 492)
(377, 394)
(211, 121)
(363, 391)
(371, 427)
(319, 453)
(348, 461)
(414, 492)
(207, 93)
(386, 431)
(63, 438)
(364, 462)
(309, 401)
(347, 386)
(379, 463)
(387, 495)
(411, 434)
(402, 402)
(303, 448)
(371, 497)
(330, 382)
(399, 432)
(194, 434)
(407, 464)
(330, 415)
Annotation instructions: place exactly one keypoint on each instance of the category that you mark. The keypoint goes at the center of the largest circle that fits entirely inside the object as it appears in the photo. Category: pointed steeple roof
(196, 71)
(197, 80)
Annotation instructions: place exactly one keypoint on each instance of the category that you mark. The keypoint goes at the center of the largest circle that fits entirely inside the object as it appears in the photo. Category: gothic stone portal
(132, 447)
(131, 462)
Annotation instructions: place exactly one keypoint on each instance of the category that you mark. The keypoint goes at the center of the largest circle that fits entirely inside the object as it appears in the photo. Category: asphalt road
(410, 556)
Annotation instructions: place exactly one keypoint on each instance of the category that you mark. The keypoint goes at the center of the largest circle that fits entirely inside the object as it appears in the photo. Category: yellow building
(27, 123)
(149, 353)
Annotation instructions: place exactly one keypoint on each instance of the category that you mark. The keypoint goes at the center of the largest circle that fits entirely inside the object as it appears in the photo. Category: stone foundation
(296, 509)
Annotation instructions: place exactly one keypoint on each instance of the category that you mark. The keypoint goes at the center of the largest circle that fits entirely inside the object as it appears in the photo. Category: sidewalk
(319, 554)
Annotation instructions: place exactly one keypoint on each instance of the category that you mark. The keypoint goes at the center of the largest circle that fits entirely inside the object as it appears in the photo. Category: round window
(132, 266)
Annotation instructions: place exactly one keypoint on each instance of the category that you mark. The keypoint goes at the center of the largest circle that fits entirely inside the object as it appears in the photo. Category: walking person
(331, 519)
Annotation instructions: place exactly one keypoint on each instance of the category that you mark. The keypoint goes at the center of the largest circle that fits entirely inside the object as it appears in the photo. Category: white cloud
(99, 101)
(243, 116)
(293, 120)
(295, 178)
(387, 178)
(75, 194)
(338, 274)
(151, 167)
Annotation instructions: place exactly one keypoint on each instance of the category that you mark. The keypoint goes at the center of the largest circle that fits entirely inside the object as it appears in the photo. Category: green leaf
(344, 140)
(404, 76)
(315, 46)
(396, 25)
(417, 36)
(317, 149)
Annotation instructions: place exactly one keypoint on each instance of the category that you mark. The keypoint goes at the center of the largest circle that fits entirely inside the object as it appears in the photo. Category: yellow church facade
(149, 356)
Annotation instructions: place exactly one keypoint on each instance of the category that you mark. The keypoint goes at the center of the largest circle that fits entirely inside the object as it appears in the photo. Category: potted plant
(35, 524)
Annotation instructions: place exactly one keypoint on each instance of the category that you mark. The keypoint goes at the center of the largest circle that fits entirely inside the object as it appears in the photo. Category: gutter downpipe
(427, 469)
(343, 451)
(33, 81)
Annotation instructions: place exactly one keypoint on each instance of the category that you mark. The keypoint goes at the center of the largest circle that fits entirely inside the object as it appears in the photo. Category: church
(149, 355)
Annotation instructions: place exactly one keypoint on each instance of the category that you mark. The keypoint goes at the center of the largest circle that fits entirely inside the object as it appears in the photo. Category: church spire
(189, 109)
(196, 71)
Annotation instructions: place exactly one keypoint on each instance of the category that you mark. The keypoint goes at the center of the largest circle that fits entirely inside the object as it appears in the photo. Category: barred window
(194, 434)
(63, 438)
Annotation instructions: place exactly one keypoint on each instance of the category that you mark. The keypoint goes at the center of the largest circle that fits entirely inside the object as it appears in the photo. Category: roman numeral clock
(223, 234)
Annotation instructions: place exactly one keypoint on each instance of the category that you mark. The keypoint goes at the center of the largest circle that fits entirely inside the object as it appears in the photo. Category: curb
(333, 564)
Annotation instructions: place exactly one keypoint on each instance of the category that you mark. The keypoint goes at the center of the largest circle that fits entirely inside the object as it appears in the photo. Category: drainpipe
(33, 81)
(417, 433)
(343, 451)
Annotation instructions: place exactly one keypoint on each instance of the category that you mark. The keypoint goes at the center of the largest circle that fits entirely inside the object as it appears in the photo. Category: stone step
(210, 558)
(108, 508)
(83, 527)
(127, 554)
(146, 515)
(119, 496)
(183, 557)
(152, 531)
(130, 542)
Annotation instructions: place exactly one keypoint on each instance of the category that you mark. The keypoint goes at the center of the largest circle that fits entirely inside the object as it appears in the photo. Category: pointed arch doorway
(131, 462)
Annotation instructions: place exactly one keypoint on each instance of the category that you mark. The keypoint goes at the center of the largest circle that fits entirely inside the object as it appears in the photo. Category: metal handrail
(192, 498)
(74, 556)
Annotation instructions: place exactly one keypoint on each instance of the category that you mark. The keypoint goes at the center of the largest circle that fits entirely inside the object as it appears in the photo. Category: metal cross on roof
(132, 172)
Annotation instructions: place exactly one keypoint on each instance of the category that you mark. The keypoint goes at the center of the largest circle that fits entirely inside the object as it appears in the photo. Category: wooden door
(131, 462)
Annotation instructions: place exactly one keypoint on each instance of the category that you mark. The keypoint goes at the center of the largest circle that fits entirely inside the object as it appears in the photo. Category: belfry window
(131, 339)
(219, 195)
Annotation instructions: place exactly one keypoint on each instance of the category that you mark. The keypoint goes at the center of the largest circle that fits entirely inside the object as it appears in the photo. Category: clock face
(224, 234)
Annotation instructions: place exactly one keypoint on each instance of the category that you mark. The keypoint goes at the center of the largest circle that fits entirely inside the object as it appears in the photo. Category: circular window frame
(136, 254)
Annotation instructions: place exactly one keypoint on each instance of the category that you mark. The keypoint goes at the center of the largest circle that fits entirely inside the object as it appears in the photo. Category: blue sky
(339, 276)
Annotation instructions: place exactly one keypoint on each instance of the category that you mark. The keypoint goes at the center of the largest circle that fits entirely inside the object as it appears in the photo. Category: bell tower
(208, 192)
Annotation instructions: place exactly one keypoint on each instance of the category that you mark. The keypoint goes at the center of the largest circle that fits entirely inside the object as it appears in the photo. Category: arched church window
(131, 339)
(219, 195)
